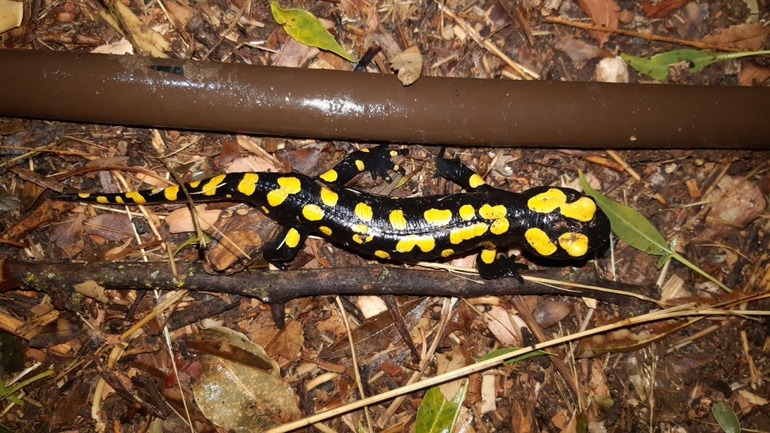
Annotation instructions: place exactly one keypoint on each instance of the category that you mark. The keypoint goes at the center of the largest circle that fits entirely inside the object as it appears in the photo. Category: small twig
(647, 36)
(520, 69)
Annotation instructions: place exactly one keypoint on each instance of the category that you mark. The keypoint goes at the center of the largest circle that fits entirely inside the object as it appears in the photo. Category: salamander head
(564, 224)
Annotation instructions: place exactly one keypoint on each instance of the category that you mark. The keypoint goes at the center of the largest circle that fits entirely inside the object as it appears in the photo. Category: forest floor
(122, 363)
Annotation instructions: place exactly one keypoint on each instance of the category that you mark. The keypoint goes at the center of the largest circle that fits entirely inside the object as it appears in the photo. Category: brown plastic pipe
(323, 104)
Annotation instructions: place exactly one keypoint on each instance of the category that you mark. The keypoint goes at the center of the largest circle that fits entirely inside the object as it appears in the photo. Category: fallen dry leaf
(752, 75)
(503, 326)
(661, 9)
(626, 340)
(747, 36)
(737, 203)
(110, 226)
(180, 220)
(408, 63)
(69, 235)
(603, 13)
(11, 13)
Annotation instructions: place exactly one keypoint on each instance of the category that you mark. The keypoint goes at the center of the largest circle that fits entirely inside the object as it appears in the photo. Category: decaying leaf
(237, 396)
(143, 37)
(626, 340)
(603, 13)
(306, 28)
(379, 332)
(92, 289)
(408, 63)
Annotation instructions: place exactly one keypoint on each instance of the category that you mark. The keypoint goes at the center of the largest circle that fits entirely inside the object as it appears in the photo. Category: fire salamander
(552, 222)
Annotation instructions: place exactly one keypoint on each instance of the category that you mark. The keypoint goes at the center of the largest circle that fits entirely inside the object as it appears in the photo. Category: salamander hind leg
(375, 160)
(459, 173)
(491, 267)
(285, 246)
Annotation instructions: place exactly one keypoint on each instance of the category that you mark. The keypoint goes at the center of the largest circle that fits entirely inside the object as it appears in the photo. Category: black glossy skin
(305, 207)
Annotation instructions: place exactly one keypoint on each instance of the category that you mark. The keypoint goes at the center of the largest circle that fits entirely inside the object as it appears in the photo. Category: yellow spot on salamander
(84, 194)
(329, 197)
(499, 226)
(361, 240)
(329, 176)
(194, 184)
(488, 256)
(365, 149)
(467, 212)
(265, 210)
(360, 165)
(407, 244)
(312, 212)
(583, 209)
(493, 212)
(547, 201)
(248, 184)
(447, 252)
(360, 228)
(540, 242)
(382, 254)
(438, 217)
(102, 199)
(363, 211)
(575, 244)
(119, 200)
(292, 238)
(325, 230)
(475, 181)
(210, 188)
(397, 219)
(460, 234)
(135, 196)
(171, 193)
(286, 186)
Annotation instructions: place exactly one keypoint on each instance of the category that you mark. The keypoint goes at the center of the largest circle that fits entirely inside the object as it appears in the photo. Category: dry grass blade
(687, 310)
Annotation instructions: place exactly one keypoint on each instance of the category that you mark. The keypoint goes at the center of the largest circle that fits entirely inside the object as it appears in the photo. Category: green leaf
(725, 417)
(7, 393)
(656, 67)
(436, 414)
(307, 29)
(499, 352)
(636, 230)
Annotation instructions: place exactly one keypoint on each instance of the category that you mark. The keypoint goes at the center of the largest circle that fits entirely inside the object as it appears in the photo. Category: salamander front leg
(375, 160)
(284, 247)
(459, 173)
(490, 266)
